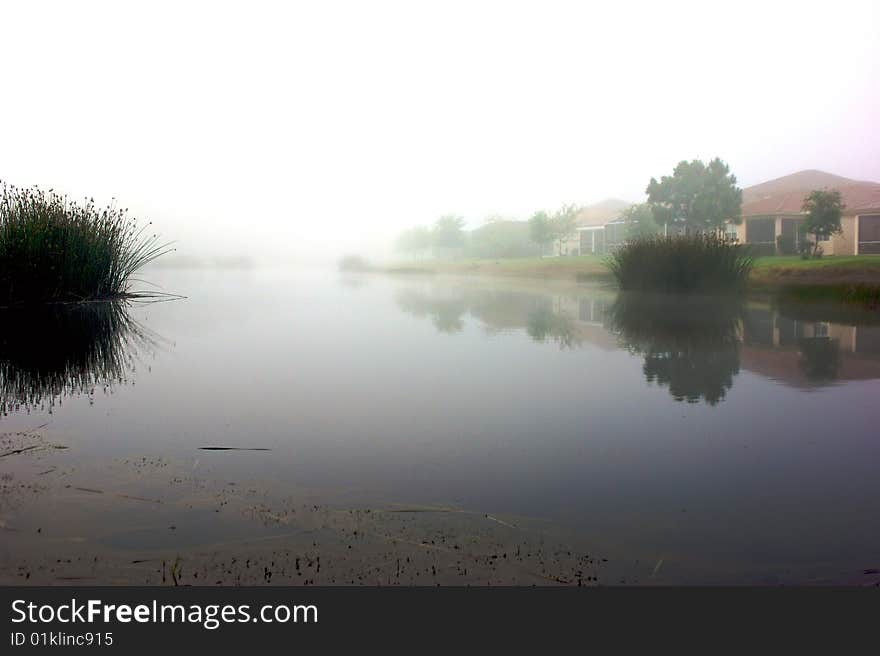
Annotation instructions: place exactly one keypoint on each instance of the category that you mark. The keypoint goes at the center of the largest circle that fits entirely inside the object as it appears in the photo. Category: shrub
(52, 249)
(353, 263)
(807, 251)
(501, 239)
(702, 262)
(805, 248)
(786, 245)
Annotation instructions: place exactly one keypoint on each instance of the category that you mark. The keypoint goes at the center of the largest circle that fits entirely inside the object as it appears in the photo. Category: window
(869, 234)
(761, 231)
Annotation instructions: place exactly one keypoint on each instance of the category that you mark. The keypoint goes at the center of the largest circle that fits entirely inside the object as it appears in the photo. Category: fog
(297, 132)
(606, 395)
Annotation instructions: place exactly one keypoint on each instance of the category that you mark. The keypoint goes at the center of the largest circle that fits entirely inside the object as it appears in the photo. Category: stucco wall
(842, 244)
(570, 245)
(845, 242)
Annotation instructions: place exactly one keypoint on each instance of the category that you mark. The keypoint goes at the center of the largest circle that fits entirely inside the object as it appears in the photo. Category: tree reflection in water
(693, 345)
(819, 359)
(544, 324)
(445, 312)
(689, 344)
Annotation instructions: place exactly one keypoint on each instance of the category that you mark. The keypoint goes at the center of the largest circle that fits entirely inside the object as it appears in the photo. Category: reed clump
(56, 250)
(693, 263)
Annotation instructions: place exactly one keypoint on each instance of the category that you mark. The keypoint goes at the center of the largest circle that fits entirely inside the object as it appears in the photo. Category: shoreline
(204, 530)
(852, 279)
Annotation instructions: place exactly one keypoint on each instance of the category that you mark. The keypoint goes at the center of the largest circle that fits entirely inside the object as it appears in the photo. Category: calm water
(695, 442)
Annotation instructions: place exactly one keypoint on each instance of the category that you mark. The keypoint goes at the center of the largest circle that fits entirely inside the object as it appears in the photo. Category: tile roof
(856, 198)
(600, 213)
(786, 195)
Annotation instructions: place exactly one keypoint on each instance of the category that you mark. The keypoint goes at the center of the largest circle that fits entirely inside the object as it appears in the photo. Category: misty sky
(312, 128)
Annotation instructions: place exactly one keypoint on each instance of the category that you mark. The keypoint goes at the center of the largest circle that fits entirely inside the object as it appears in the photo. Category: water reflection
(444, 312)
(695, 347)
(536, 403)
(59, 350)
(810, 345)
(820, 358)
(690, 345)
(544, 324)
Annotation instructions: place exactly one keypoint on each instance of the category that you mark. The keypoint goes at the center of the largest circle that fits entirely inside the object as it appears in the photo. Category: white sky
(301, 128)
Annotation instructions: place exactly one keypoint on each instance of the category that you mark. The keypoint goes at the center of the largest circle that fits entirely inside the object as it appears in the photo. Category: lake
(315, 427)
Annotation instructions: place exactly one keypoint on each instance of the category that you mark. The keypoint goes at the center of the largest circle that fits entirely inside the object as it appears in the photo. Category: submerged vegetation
(701, 262)
(56, 250)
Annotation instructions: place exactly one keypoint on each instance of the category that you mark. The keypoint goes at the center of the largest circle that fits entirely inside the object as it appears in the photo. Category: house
(770, 211)
(773, 209)
(599, 227)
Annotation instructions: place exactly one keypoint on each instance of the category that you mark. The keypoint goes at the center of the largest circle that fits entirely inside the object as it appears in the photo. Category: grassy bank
(852, 278)
(560, 268)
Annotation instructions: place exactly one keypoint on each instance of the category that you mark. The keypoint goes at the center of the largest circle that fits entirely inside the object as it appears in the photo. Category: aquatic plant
(53, 249)
(693, 263)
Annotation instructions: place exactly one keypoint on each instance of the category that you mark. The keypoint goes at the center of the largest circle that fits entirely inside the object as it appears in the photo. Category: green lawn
(838, 261)
(843, 277)
(572, 262)
(527, 267)
(595, 264)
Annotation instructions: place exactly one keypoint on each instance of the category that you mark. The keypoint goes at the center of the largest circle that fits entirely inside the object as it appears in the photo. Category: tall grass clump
(56, 250)
(694, 263)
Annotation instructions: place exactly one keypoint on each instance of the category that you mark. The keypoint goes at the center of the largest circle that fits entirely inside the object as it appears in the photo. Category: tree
(421, 239)
(540, 230)
(701, 197)
(823, 209)
(415, 240)
(448, 232)
(639, 222)
(563, 224)
(501, 238)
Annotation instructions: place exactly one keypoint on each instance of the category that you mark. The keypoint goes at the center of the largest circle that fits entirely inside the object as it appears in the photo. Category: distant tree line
(447, 237)
(698, 198)
(544, 233)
